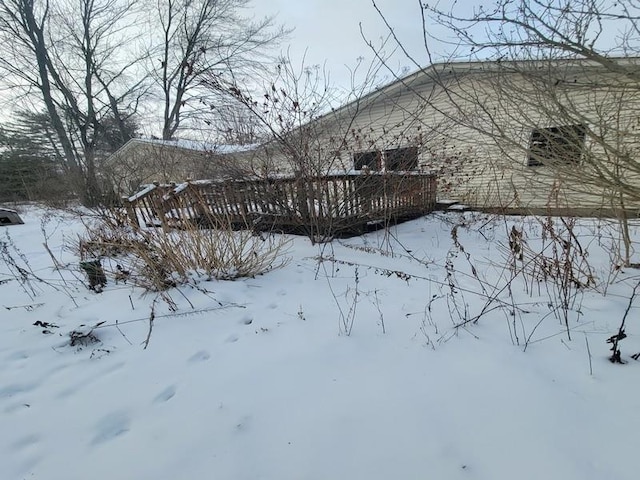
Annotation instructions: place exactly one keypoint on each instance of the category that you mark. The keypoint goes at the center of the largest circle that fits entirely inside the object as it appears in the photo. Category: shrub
(157, 259)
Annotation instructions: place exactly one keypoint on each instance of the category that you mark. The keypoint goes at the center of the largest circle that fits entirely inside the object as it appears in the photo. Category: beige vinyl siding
(495, 172)
(473, 128)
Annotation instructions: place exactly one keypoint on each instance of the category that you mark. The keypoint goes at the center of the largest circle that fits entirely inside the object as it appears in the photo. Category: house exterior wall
(474, 128)
(141, 163)
(512, 106)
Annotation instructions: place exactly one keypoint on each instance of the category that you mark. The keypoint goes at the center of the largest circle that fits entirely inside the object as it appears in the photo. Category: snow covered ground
(257, 378)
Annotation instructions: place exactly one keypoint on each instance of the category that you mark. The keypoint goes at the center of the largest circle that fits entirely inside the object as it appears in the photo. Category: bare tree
(326, 155)
(295, 112)
(201, 39)
(234, 124)
(68, 56)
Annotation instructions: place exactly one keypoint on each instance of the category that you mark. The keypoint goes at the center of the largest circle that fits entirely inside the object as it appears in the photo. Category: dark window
(371, 160)
(556, 145)
(401, 158)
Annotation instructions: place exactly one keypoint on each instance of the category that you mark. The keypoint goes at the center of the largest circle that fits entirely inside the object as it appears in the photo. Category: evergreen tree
(30, 163)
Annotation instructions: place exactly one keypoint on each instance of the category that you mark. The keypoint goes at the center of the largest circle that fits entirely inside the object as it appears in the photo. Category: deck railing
(326, 204)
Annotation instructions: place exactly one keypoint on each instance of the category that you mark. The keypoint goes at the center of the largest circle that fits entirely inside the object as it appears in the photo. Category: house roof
(197, 145)
(439, 72)
(184, 144)
(428, 76)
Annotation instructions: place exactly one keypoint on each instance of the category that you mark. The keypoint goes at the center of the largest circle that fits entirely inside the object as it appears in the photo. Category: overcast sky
(329, 31)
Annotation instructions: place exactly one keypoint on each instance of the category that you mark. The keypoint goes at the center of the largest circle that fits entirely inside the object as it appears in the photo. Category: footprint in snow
(233, 338)
(165, 395)
(24, 443)
(17, 407)
(88, 380)
(27, 465)
(243, 423)
(247, 320)
(111, 426)
(201, 356)
(272, 306)
(112, 369)
(17, 356)
(10, 390)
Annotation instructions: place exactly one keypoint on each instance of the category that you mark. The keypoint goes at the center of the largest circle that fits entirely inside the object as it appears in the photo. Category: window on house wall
(370, 160)
(401, 158)
(556, 145)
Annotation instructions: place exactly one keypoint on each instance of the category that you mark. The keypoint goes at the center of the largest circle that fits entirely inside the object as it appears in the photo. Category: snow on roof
(199, 146)
(142, 193)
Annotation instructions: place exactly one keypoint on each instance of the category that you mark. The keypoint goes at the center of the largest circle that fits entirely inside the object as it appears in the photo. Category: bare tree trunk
(48, 42)
(35, 31)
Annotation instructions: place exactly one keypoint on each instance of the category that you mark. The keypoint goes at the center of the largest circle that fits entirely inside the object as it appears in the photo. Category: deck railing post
(131, 212)
(201, 213)
(160, 210)
(302, 198)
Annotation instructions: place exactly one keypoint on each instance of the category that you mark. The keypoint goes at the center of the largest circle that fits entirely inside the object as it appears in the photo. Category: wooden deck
(330, 205)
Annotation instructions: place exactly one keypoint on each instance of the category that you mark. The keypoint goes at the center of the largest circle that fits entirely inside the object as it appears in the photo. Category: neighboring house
(143, 161)
(528, 136)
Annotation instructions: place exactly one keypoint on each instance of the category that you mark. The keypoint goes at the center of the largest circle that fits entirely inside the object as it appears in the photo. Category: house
(143, 161)
(537, 135)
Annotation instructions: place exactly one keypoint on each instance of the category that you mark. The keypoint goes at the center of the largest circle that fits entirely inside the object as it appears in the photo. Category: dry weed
(157, 259)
